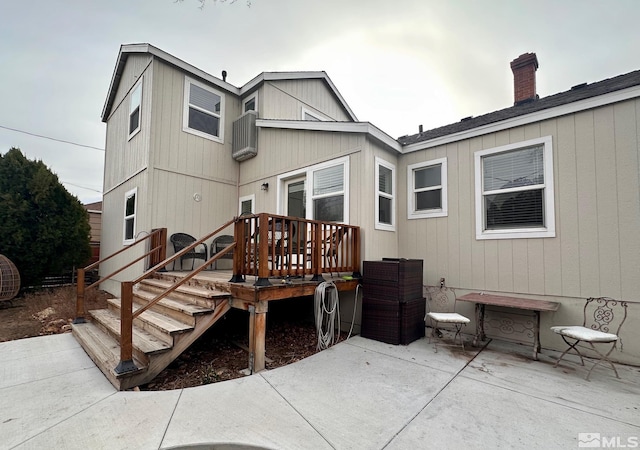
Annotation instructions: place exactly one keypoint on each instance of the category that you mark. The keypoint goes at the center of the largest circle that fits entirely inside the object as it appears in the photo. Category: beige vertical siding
(376, 244)
(113, 229)
(185, 167)
(281, 151)
(284, 100)
(125, 157)
(181, 152)
(596, 250)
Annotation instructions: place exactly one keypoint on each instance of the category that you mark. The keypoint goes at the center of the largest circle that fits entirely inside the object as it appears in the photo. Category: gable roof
(580, 97)
(129, 49)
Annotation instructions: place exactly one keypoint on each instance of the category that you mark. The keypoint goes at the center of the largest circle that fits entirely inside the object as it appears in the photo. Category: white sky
(397, 63)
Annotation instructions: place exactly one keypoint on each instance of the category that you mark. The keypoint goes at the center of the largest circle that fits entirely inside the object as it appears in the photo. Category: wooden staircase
(160, 334)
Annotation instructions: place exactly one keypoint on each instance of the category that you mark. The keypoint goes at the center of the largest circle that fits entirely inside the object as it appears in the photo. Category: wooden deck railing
(264, 245)
(157, 241)
(269, 245)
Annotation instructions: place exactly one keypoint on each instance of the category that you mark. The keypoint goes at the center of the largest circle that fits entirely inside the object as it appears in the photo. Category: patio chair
(181, 241)
(440, 311)
(219, 244)
(602, 319)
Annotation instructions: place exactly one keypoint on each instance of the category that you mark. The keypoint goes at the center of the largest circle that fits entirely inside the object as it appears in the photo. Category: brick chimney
(524, 78)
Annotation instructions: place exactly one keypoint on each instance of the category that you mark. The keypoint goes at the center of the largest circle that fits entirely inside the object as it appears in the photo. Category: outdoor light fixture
(265, 186)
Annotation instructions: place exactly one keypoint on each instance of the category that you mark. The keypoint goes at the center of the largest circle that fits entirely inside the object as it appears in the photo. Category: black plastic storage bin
(393, 306)
(393, 322)
(393, 279)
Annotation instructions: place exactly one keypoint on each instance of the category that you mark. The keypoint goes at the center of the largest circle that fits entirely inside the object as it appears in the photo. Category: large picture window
(385, 208)
(135, 102)
(514, 191)
(427, 189)
(130, 206)
(203, 110)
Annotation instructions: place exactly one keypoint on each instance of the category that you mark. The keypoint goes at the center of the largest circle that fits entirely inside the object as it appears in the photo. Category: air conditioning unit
(244, 145)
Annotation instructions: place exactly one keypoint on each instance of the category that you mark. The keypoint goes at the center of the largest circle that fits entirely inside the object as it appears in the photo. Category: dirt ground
(220, 354)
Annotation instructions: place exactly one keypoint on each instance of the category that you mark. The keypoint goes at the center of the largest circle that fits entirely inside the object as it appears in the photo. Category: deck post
(159, 244)
(263, 251)
(80, 298)
(356, 253)
(239, 259)
(257, 335)
(126, 363)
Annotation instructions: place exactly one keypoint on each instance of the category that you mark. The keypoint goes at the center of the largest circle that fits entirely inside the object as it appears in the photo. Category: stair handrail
(160, 249)
(127, 314)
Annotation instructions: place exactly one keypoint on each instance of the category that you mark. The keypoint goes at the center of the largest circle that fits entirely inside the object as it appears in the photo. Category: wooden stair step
(183, 306)
(186, 289)
(163, 327)
(103, 350)
(143, 341)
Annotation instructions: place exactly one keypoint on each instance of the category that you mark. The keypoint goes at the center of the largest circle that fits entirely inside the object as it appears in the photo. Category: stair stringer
(158, 362)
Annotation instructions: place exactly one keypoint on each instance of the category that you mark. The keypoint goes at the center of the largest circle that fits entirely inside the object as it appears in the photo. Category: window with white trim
(385, 208)
(135, 103)
(130, 206)
(427, 189)
(514, 191)
(203, 110)
(250, 104)
(246, 204)
(326, 190)
(328, 193)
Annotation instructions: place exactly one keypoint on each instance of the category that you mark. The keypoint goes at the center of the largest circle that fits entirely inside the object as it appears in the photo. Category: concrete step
(161, 326)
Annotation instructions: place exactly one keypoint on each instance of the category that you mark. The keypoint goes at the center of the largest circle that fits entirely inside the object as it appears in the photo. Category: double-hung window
(328, 193)
(130, 205)
(203, 110)
(385, 208)
(514, 191)
(135, 102)
(427, 189)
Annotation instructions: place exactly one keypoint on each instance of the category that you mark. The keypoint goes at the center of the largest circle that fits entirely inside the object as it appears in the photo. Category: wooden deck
(273, 258)
(280, 288)
(255, 299)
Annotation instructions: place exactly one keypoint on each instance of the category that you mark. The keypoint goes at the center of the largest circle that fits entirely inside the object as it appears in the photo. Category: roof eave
(345, 127)
(537, 116)
(126, 50)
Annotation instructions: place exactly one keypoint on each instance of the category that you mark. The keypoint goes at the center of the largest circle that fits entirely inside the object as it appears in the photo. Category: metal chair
(441, 311)
(602, 319)
(181, 241)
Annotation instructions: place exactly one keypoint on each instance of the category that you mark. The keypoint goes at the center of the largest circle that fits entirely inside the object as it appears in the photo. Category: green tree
(44, 229)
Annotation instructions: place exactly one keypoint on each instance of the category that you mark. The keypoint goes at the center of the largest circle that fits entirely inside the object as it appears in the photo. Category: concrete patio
(360, 394)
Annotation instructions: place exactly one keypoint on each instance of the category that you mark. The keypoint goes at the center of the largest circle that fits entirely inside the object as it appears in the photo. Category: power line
(51, 139)
(82, 187)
